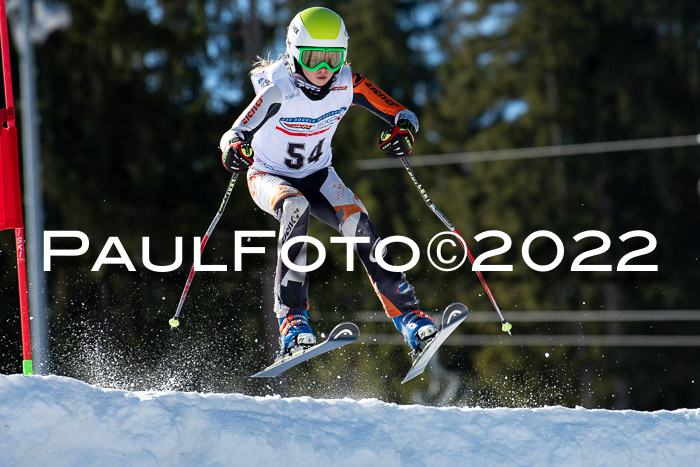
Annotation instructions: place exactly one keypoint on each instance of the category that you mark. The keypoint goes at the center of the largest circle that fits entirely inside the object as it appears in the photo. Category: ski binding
(453, 315)
(342, 334)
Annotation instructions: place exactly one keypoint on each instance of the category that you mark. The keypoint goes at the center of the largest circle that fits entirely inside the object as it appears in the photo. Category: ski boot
(417, 328)
(295, 333)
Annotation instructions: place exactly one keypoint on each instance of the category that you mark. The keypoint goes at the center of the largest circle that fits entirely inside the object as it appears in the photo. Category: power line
(564, 316)
(549, 340)
(563, 340)
(535, 152)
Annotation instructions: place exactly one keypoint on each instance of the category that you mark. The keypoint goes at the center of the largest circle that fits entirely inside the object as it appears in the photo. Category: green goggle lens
(313, 58)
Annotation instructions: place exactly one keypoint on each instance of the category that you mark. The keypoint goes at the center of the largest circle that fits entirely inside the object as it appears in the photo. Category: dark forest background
(133, 99)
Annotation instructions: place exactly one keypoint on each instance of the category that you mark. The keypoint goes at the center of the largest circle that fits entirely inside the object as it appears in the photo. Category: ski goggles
(313, 58)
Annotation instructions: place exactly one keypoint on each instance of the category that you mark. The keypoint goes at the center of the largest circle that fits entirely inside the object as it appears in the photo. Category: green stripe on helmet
(321, 23)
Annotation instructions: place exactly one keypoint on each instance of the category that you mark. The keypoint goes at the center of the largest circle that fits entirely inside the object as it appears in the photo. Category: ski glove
(397, 141)
(237, 156)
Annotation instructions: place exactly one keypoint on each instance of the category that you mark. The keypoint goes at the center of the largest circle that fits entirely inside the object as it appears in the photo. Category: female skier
(284, 138)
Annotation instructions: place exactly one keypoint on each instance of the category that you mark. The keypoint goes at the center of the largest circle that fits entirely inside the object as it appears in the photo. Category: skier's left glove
(237, 155)
(398, 140)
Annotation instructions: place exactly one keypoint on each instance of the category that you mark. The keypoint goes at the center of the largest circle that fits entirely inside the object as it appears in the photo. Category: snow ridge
(51, 420)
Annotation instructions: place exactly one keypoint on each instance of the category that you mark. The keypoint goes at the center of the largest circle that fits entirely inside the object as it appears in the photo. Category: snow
(52, 420)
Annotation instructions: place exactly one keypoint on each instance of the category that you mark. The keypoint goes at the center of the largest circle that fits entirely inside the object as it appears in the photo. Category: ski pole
(505, 325)
(174, 321)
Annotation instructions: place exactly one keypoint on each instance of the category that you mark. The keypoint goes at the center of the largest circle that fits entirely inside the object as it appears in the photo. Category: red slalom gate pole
(10, 194)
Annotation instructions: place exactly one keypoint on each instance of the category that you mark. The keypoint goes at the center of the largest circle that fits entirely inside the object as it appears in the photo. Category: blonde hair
(264, 62)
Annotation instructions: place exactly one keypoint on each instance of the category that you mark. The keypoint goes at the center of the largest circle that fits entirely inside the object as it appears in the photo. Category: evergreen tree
(587, 72)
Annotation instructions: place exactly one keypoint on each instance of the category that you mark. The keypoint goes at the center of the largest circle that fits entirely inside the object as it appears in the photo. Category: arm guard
(370, 97)
(264, 106)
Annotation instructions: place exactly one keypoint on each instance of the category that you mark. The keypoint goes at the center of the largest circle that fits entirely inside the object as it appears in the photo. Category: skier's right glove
(237, 156)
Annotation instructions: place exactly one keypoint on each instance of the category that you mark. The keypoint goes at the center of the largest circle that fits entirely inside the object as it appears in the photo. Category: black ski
(342, 334)
(451, 317)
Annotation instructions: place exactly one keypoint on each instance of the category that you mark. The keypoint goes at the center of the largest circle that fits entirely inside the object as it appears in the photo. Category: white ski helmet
(315, 27)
